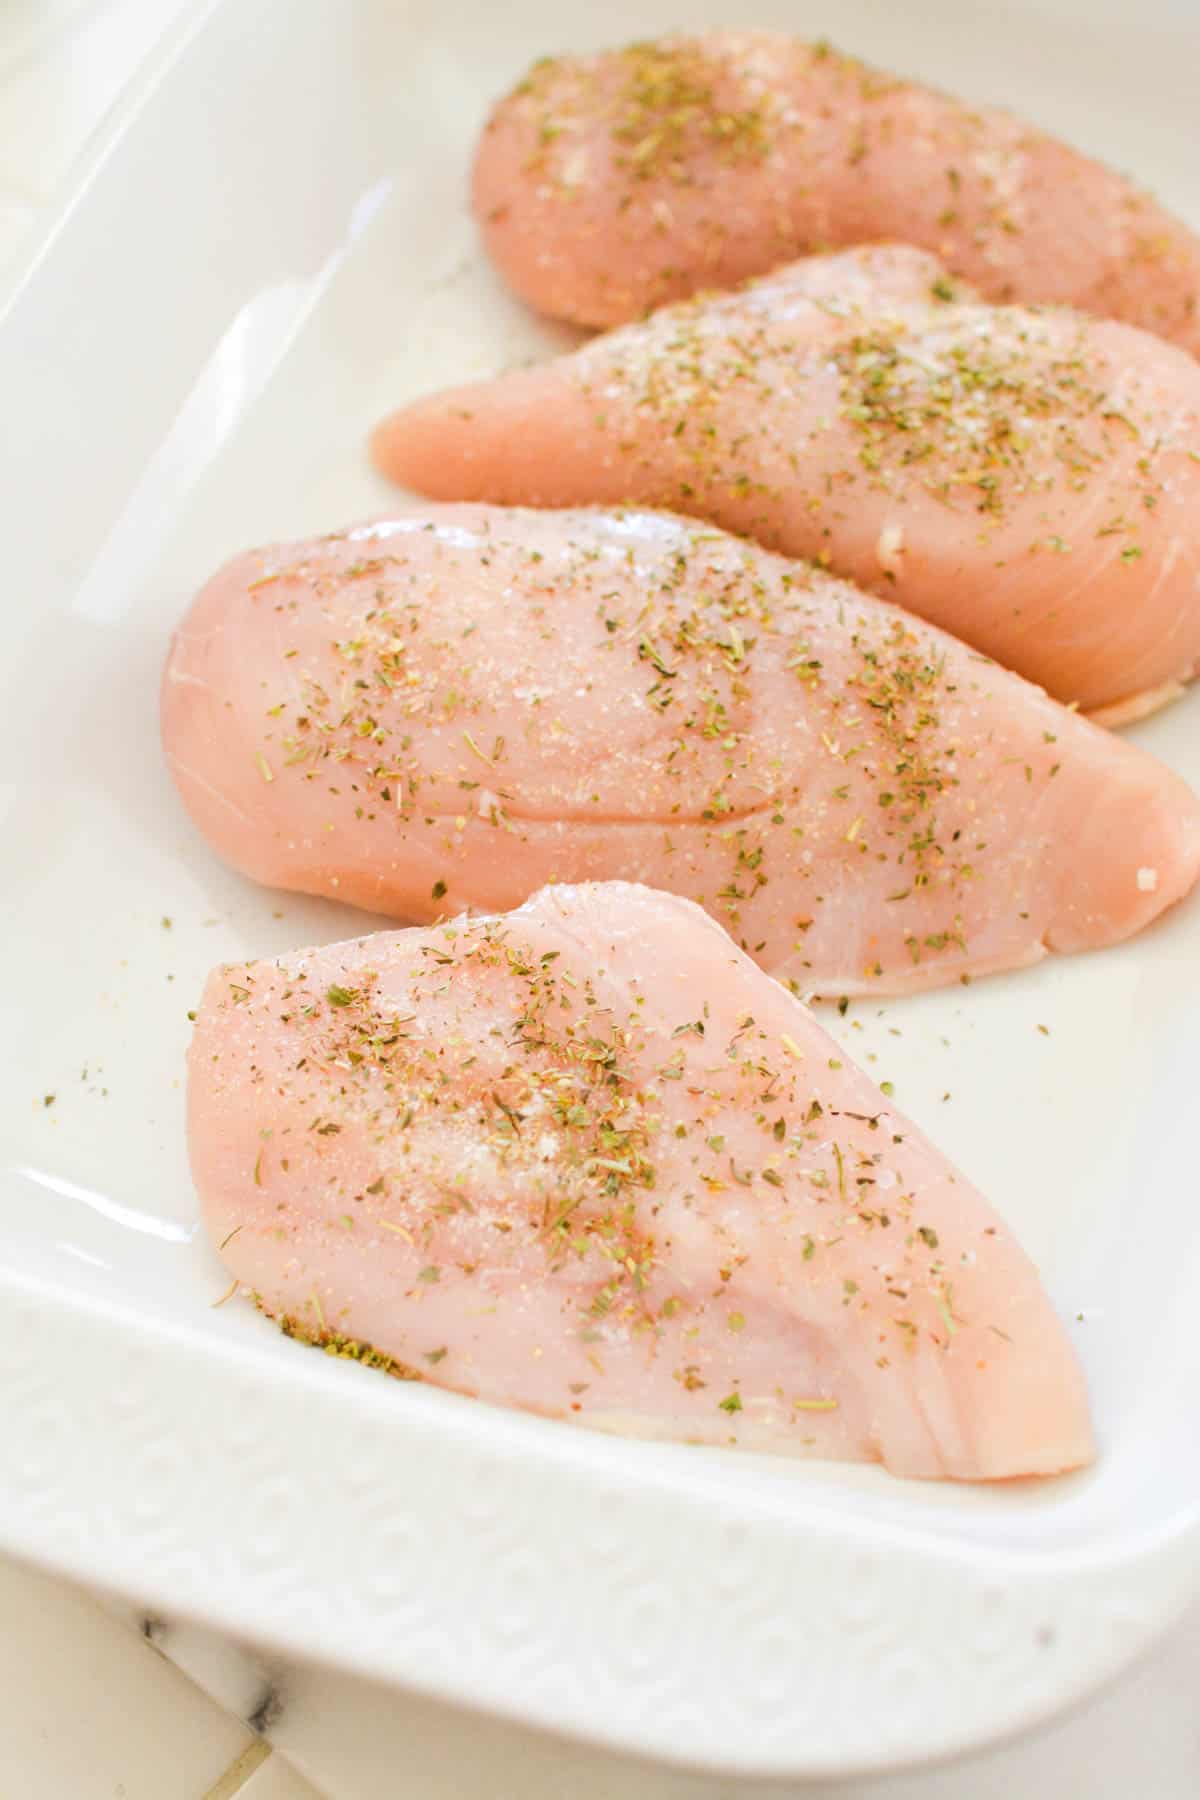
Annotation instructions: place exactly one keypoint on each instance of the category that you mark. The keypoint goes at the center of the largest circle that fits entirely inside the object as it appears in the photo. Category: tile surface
(88, 1712)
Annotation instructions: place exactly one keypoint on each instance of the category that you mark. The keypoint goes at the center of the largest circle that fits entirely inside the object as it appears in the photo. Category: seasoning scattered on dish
(586, 1157)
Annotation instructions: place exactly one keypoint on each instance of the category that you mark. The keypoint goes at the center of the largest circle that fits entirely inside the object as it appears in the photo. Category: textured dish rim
(216, 1509)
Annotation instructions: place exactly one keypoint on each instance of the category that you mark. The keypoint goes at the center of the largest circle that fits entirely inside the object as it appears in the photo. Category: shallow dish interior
(212, 394)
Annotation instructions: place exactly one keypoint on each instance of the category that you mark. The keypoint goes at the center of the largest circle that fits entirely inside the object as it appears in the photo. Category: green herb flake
(944, 1300)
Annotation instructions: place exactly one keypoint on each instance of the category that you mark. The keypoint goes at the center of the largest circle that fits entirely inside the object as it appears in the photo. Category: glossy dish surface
(683, 1603)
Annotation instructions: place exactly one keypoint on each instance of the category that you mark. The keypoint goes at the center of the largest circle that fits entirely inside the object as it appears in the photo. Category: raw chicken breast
(606, 185)
(448, 711)
(1029, 481)
(588, 1160)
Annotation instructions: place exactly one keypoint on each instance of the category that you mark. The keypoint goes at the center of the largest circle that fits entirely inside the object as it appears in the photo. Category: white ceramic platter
(271, 246)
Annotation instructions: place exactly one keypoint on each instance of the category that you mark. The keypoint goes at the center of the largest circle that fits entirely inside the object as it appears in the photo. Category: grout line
(239, 1771)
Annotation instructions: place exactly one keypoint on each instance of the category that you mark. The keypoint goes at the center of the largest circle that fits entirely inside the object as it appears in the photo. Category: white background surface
(86, 1709)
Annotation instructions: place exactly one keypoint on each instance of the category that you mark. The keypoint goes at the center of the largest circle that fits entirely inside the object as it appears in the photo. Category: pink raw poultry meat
(446, 711)
(605, 185)
(1029, 481)
(588, 1160)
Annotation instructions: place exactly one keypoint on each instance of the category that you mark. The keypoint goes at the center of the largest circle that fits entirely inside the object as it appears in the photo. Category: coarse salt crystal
(1147, 880)
(889, 548)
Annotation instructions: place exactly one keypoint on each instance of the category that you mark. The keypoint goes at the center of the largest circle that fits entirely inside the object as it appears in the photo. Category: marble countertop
(100, 1702)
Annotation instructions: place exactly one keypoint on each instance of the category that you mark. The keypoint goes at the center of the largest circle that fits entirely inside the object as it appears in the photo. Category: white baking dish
(272, 245)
